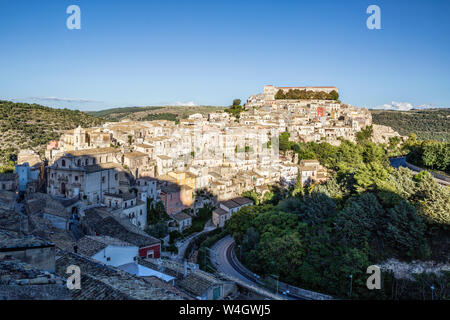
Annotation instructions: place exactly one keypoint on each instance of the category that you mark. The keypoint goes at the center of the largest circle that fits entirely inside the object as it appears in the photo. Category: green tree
(333, 95)
(284, 143)
(280, 95)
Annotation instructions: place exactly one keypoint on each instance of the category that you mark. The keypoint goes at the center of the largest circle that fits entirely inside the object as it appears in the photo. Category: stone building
(8, 181)
(87, 174)
(127, 205)
(33, 250)
(311, 172)
(220, 216)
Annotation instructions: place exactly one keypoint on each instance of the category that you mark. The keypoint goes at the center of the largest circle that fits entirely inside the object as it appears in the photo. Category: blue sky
(133, 52)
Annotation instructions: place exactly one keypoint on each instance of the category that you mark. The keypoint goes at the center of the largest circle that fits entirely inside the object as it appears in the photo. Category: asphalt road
(224, 263)
(220, 259)
(182, 245)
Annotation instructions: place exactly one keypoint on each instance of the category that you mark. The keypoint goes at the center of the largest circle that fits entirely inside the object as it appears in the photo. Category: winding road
(223, 259)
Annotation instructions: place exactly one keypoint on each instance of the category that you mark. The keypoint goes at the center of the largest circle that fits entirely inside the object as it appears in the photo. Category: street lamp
(432, 292)
(351, 282)
(278, 277)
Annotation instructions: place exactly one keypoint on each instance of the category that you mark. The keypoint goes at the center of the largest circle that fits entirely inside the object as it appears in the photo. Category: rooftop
(124, 196)
(90, 245)
(102, 282)
(22, 281)
(102, 166)
(11, 241)
(230, 204)
(170, 188)
(92, 152)
(220, 211)
(308, 168)
(7, 176)
(242, 201)
(181, 216)
(134, 155)
(105, 224)
(195, 283)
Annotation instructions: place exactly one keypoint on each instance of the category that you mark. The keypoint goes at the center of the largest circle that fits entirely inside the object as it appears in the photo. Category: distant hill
(32, 126)
(426, 124)
(172, 113)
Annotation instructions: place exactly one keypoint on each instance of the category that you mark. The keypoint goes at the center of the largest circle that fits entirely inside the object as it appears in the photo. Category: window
(103, 179)
(116, 176)
(76, 178)
(63, 163)
(140, 212)
(108, 259)
(79, 162)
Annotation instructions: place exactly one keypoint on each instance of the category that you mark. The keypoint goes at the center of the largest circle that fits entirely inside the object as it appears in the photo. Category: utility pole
(351, 283)
(278, 277)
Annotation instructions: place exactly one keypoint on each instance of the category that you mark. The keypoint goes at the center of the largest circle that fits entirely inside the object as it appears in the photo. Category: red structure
(320, 111)
(171, 198)
(153, 251)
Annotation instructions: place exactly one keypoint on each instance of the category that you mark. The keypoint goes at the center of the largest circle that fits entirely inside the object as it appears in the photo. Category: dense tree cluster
(235, 109)
(429, 154)
(297, 94)
(160, 116)
(120, 112)
(426, 124)
(365, 214)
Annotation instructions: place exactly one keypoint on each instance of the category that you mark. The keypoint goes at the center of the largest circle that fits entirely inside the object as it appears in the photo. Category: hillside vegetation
(429, 124)
(32, 126)
(316, 236)
(172, 113)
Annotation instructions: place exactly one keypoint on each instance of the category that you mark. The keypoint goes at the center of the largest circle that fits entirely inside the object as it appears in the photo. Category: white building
(127, 205)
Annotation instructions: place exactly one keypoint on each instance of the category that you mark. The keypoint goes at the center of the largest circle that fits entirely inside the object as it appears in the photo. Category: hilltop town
(101, 187)
(220, 154)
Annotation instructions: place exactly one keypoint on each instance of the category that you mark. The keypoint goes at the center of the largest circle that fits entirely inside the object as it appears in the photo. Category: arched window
(79, 162)
(63, 163)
